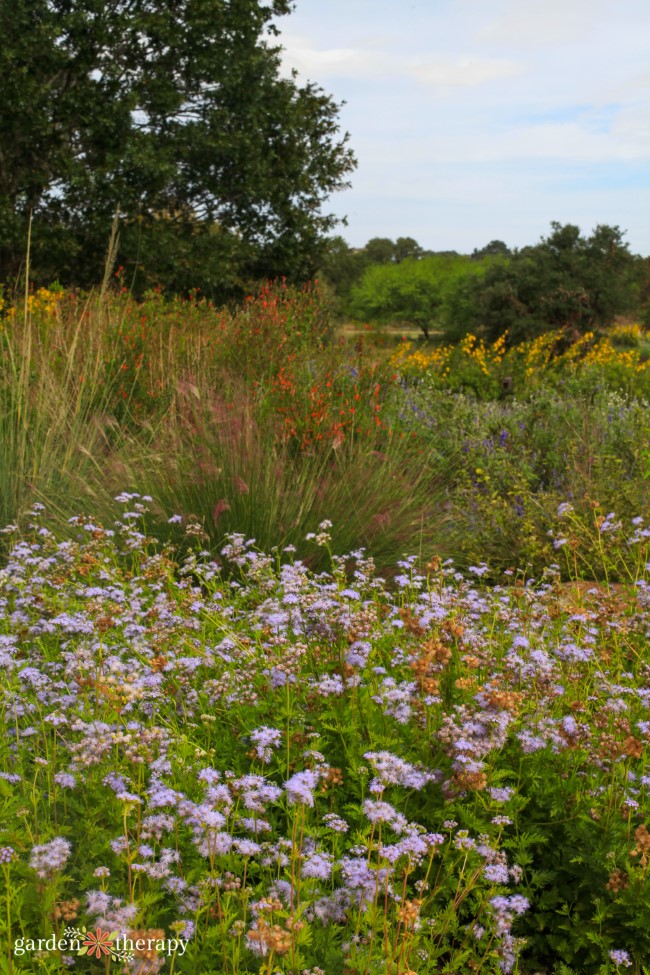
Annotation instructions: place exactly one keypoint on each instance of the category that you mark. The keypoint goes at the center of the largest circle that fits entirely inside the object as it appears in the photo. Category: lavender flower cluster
(280, 751)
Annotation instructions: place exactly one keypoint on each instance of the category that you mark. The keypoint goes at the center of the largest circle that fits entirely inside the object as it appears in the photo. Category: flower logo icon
(100, 943)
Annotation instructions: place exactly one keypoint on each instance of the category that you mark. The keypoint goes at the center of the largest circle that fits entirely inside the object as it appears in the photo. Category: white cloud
(569, 141)
(465, 71)
(545, 21)
(368, 62)
(624, 139)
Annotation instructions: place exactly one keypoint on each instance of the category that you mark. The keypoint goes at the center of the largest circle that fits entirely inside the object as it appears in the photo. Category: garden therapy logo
(103, 944)
(79, 941)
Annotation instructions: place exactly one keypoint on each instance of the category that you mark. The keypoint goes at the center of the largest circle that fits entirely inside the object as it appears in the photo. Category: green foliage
(407, 247)
(426, 292)
(496, 248)
(512, 462)
(176, 118)
(380, 250)
(568, 280)
(341, 266)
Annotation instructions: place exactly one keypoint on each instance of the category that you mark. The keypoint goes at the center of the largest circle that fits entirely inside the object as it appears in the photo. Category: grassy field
(318, 655)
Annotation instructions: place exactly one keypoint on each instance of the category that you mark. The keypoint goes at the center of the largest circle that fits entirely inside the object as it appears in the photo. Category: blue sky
(480, 119)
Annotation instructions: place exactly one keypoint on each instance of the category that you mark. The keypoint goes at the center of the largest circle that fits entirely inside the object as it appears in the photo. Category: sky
(476, 120)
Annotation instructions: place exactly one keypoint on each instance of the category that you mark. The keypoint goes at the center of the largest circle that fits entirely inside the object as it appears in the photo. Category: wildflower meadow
(320, 655)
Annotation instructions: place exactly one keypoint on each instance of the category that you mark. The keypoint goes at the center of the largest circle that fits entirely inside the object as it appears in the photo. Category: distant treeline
(567, 279)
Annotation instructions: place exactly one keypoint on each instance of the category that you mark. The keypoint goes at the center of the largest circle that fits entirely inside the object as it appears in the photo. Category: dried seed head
(409, 913)
(618, 880)
(147, 936)
(504, 700)
(642, 839)
(273, 937)
(66, 910)
(632, 747)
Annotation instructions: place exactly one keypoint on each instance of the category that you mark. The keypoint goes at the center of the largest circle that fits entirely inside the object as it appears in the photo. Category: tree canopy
(175, 115)
(417, 291)
(343, 265)
(567, 280)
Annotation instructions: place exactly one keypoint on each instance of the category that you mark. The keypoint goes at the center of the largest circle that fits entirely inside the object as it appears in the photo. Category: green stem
(5, 870)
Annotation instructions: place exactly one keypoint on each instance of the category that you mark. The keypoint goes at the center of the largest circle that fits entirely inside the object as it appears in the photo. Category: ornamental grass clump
(238, 765)
(56, 427)
(248, 418)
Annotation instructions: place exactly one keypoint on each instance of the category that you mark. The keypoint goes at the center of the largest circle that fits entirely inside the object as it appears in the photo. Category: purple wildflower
(383, 812)
(332, 821)
(496, 873)
(501, 795)
(265, 739)
(318, 866)
(300, 787)
(620, 957)
(47, 858)
(392, 770)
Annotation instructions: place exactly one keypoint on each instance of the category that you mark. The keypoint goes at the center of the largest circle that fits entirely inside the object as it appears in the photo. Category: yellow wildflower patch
(532, 359)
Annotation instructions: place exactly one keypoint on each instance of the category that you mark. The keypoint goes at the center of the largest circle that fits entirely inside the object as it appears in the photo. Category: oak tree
(178, 116)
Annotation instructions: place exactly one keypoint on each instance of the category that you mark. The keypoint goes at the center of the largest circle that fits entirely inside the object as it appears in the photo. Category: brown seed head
(642, 839)
(618, 880)
(66, 910)
(409, 912)
(633, 747)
